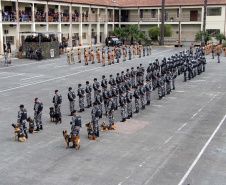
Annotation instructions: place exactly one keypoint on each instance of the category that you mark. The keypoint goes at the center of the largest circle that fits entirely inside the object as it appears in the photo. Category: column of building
(98, 26)
(90, 27)
(70, 31)
(1, 31)
(80, 27)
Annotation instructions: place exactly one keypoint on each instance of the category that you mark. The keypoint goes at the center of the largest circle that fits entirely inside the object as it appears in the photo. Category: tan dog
(68, 139)
(107, 127)
(18, 133)
(91, 134)
(31, 126)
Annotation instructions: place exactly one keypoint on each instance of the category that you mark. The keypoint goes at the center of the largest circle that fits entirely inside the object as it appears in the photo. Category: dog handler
(96, 112)
(22, 120)
(76, 124)
(38, 107)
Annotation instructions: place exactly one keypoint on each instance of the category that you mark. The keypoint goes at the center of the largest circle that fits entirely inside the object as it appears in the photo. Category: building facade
(85, 22)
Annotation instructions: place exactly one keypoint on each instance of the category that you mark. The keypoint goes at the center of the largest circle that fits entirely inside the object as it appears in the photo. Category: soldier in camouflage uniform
(88, 94)
(148, 89)
(95, 118)
(110, 110)
(115, 95)
(160, 86)
(96, 87)
(129, 100)
(136, 95)
(38, 107)
(81, 95)
(133, 76)
(22, 120)
(76, 124)
(142, 94)
(57, 100)
(71, 98)
(99, 101)
(122, 102)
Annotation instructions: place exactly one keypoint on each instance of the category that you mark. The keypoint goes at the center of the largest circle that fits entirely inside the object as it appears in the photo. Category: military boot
(41, 127)
(37, 129)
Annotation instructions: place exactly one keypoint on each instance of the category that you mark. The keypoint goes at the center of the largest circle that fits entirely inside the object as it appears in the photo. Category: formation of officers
(115, 54)
(120, 91)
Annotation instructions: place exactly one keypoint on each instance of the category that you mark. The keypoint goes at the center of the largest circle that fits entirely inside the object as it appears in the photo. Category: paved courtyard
(178, 140)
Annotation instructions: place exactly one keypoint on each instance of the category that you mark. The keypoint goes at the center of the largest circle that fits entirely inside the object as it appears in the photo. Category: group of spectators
(8, 16)
(40, 16)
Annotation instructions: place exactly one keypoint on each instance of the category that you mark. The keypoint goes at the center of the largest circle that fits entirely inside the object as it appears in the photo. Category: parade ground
(177, 140)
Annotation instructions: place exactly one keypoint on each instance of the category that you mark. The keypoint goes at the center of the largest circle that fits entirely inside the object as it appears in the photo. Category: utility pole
(204, 24)
(163, 20)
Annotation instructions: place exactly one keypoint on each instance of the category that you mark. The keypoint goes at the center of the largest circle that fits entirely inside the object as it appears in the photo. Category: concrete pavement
(157, 146)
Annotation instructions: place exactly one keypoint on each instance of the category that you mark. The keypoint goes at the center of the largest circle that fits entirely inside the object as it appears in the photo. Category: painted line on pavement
(43, 81)
(12, 76)
(31, 77)
(201, 152)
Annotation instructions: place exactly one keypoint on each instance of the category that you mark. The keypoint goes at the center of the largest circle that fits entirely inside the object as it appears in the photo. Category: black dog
(53, 116)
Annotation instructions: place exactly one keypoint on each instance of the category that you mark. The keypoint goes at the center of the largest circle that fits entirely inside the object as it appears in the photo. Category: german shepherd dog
(31, 125)
(107, 127)
(69, 138)
(91, 134)
(18, 133)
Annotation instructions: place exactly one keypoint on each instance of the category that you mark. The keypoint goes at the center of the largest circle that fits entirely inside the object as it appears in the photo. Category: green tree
(155, 32)
(121, 33)
(198, 36)
(220, 37)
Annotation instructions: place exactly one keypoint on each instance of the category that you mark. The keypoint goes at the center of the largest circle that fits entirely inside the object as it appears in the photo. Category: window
(83, 35)
(213, 32)
(214, 11)
(10, 39)
(141, 14)
(153, 13)
(178, 12)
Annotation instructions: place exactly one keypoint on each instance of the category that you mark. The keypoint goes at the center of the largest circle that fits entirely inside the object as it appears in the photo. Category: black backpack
(24, 114)
(59, 100)
(40, 107)
(98, 113)
(113, 106)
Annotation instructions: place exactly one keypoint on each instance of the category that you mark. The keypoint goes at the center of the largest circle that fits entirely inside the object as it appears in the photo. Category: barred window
(214, 11)
(153, 13)
(213, 32)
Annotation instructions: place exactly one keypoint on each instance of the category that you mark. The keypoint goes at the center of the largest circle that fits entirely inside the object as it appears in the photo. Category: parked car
(113, 41)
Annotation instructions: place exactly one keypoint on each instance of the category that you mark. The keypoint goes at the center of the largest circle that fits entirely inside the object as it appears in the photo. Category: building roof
(142, 3)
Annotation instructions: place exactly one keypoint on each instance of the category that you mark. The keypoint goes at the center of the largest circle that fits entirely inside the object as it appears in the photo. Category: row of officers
(122, 91)
(113, 54)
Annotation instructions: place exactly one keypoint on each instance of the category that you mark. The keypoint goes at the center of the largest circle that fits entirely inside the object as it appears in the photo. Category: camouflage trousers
(123, 111)
(148, 96)
(95, 125)
(160, 91)
(133, 81)
(95, 94)
(88, 99)
(75, 132)
(57, 110)
(142, 100)
(129, 108)
(137, 103)
(168, 88)
(173, 83)
(81, 103)
(71, 106)
(111, 117)
(38, 119)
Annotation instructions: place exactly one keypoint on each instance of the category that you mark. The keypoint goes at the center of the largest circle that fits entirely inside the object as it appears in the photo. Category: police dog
(31, 126)
(91, 134)
(18, 133)
(107, 127)
(52, 114)
(69, 138)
